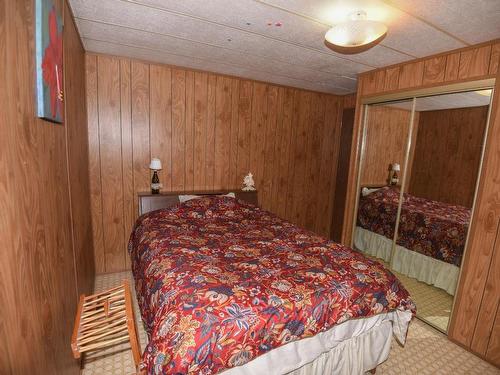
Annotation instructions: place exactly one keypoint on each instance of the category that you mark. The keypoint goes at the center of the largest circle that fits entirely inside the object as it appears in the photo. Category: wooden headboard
(151, 202)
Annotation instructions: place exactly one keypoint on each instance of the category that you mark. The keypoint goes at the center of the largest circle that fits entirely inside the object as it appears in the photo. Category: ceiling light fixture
(356, 35)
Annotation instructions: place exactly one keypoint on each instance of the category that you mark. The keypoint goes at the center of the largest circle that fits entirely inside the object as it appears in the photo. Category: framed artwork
(49, 61)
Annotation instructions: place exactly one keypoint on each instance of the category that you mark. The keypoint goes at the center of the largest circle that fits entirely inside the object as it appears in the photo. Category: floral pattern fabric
(432, 228)
(220, 282)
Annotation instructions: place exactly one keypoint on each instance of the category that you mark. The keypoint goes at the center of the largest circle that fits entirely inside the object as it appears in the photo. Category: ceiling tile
(406, 34)
(216, 67)
(295, 28)
(472, 21)
(244, 38)
(160, 43)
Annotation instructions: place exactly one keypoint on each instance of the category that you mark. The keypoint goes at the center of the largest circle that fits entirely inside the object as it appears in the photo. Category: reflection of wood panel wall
(209, 131)
(386, 140)
(447, 154)
(43, 203)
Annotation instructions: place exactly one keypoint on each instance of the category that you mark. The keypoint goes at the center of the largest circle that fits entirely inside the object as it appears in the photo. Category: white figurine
(248, 183)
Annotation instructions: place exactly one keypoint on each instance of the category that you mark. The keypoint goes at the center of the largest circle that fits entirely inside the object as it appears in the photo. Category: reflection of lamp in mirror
(155, 166)
(394, 175)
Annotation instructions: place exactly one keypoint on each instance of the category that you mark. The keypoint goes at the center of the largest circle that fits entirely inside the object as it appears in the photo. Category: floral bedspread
(220, 281)
(432, 228)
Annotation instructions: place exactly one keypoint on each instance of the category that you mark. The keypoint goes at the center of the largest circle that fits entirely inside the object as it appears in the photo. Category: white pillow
(185, 198)
(366, 191)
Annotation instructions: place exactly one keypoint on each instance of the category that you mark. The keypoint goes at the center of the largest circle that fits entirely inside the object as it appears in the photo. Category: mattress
(431, 228)
(221, 282)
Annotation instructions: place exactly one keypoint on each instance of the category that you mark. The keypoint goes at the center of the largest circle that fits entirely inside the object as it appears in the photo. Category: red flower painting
(49, 61)
(52, 65)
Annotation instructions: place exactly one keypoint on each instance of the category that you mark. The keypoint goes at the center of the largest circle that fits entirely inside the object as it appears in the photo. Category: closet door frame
(455, 323)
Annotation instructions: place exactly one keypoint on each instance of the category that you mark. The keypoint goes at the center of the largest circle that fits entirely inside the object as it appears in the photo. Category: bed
(224, 286)
(431, 235)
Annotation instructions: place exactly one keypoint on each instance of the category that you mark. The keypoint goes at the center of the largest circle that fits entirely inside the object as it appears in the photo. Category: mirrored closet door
(417, 221)
(384, 148)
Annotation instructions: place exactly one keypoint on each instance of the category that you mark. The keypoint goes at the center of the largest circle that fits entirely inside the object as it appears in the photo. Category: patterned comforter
(432, 228)
(220, 281)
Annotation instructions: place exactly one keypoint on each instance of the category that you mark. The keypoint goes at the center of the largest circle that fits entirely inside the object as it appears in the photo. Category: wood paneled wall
(386, 141)
(475, 320)
(467, 64)
(38, 288)
(77, 154)
(474, 316)
(447, 154)
(209, 131)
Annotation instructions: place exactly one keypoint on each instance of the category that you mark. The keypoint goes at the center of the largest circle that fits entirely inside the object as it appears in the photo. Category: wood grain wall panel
(269, 157)
(178, 129)
(411, 75)
(245, 99)
(258, 132)
(141, 150)
(313, 162)
(110, 143)
(210, 147)
(284, 142)
(375, 81)
(474, 62)
(386, 139)
(391, 81)
(234, 179)
(278, 151)
(482, 237)
(447, 154)
(161, 121)
(94, 162)
(299, 158)
(328, 164)
(342, 173)
(41, 225)
(452, 65)
(495, 58)
(350, 100)
(222, 132)
(484, 339)
(189, 133)
(434, 69)
(78, 162)
(211, 130)
(200, 128)
(296, 138)
(493, 350)
(127, 157)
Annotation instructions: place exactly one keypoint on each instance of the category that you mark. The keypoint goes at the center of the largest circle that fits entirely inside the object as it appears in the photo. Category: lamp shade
(356, 35)
(155, 164)
(396, 167)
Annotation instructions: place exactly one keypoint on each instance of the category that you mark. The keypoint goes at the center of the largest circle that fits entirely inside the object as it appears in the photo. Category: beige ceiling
(233, 36)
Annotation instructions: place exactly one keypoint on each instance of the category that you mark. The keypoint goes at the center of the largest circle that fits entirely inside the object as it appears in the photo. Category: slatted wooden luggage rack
(105, 319)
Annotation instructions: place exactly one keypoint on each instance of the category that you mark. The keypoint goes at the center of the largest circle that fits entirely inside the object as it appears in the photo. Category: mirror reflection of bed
(417, 183)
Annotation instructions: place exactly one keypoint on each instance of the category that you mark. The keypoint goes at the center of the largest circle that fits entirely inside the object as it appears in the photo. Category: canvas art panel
(49, 61)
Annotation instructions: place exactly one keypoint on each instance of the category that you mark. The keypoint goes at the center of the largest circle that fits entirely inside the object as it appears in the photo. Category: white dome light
(356, 35)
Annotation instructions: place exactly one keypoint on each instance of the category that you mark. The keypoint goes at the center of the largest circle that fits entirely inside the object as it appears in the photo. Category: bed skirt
(410, 263)
(350, 348)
